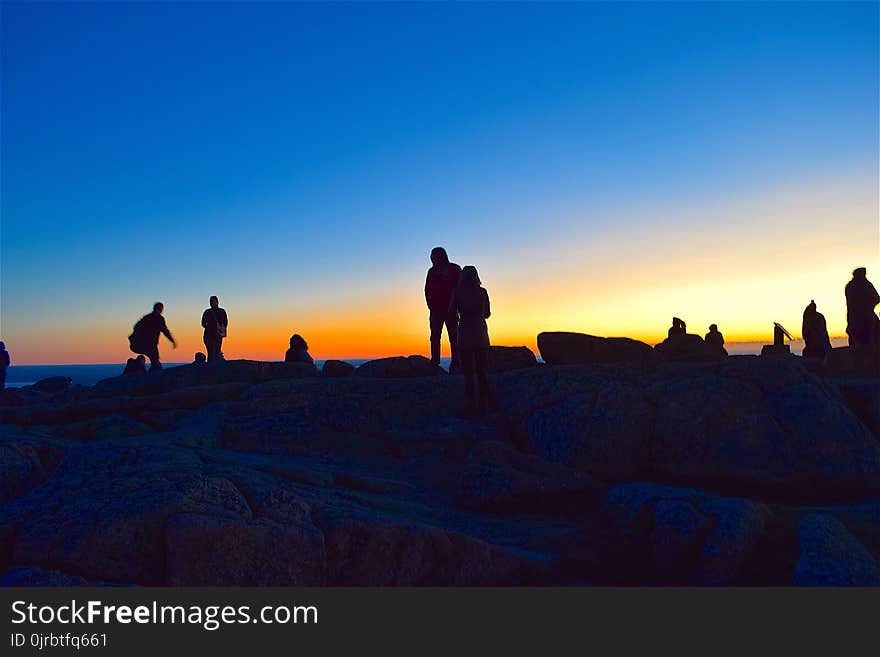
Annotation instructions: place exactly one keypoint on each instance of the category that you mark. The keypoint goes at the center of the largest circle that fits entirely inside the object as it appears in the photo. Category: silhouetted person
(715, 339)
(470, 305)
(299, 350)
(439, 285)
(145, 337)
(815, 333)
(5, 361)
(678, 327)
(136, 366)
(214, 321)
(200, 359)
(862, 325)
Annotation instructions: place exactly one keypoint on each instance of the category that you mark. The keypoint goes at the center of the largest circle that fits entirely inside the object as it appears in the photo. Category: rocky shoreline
(620, 468)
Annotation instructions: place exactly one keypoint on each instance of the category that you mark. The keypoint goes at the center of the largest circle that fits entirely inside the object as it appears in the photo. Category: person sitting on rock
(136, 365)
(145, 337)
(815, 333)
(299, 351)
(4, 364)
(715, 340)
(862, 324)
(470, 305)
(200, 358)
(678, 327)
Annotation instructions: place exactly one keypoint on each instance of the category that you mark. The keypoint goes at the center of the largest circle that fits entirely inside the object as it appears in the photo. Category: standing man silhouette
(440, 283)
(214, 321)
(862, 325)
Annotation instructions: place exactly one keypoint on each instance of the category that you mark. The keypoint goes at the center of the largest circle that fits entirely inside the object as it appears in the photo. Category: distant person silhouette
(470, 305)
(5, 361)
(145, 337)
(299, 350)
(214, 321)
(862, 324)
(136, 366)
(200, 359)
(439, 285)
(815, 333)
(715, 339)
(678, 327)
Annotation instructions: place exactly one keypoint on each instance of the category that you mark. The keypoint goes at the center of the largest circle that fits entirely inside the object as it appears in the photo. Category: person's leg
(435, 320)
(219, 354)
(2, 379)
(153, 355)
(481, 363)
(209, 351)
(452, 331)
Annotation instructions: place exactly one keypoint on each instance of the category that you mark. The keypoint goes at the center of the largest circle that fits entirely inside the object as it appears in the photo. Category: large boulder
(688, 348)
(53, 385)
(831, 556)
(337, 368)
(562, 348)
(852, 362)
(682, 535)
(504, 359)
(25, 461)
(399, 367)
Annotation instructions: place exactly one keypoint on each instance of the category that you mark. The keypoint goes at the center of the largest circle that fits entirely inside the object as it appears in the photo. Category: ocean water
(18, 376)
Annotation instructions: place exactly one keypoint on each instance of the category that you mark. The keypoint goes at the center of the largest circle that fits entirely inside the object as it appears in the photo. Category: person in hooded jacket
(862, 324)
(299, 350)
(439, 285)
(469, 305)
(815, 333)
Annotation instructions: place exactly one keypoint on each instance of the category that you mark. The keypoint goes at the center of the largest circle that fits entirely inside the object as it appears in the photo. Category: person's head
(141, 359)
(158, 307)
(200, 358)
(2, 346)
(860, 272)
(713, 328)
(214, 301)
(469, 277)
(811, 308)
(297, 342)
(439, 256)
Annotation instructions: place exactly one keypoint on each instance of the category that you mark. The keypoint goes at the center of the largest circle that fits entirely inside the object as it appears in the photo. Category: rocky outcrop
(337, 368)
(706, 473)
(505, 359)
(561, 348)
(398, 367)
(687, 347)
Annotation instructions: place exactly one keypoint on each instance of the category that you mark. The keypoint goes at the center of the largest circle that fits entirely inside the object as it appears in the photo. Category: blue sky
(302, 159)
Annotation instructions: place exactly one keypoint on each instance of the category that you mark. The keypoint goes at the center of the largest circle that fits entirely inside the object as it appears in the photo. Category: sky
(605, 166)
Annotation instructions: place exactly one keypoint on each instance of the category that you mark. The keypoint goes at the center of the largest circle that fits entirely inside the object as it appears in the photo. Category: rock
(499, 478)
(688, 347)
(53, 384)
(690, 536)
(212, 551)
(505, 359)
(398, 367)
(561, 348)
(32, 576)
(337, 368)
(862, 397)
(831, 556)
(371, 549)
(852, 362)
(25, 461)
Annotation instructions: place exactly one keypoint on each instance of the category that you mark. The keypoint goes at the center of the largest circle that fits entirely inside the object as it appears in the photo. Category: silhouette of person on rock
(862, 324)
(200, 359)
(678, 327)
(715, 340)
(815, 333)
(5, 361)
(214, 321)
(440, 283)
(470, 306)
(136, 365)
(299, 350)
(145, 337)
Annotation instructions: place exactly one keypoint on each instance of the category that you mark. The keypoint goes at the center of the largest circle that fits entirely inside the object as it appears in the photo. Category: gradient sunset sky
(605, 167)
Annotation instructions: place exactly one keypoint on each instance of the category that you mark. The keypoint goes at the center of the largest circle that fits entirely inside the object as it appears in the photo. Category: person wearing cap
(862, 324)
(815, 333)
(4, 364)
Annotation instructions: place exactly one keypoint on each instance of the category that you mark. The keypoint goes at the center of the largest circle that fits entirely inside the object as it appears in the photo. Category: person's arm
(486, 299)
(427, 288)
(875, 298)
(205, 319)
(225, 317)
(167, 333)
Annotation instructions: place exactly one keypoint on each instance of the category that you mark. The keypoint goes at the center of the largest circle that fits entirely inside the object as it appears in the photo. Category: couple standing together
(456, 299)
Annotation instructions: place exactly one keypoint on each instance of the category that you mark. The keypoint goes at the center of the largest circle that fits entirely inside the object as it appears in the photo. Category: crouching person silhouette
(145, 337)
